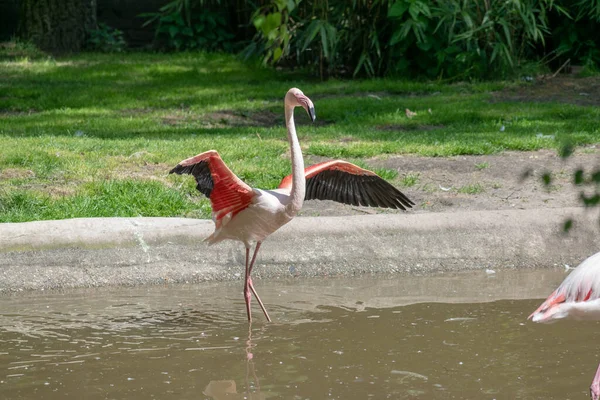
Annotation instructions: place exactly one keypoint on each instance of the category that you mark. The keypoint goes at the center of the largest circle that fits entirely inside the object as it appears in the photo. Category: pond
(449, 336)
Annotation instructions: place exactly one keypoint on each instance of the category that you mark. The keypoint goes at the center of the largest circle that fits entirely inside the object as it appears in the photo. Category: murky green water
(332, 339)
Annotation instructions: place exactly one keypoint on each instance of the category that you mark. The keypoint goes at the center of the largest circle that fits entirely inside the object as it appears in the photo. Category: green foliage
(106, 39)
(465, 39)
(187, 25)
(571, 36)
(273, 34)
(498, 34)
(587, 179)
(18, 49)
(330, 37)
(449, 40)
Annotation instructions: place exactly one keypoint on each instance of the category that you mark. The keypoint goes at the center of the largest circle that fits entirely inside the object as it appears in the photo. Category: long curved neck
(298, 179)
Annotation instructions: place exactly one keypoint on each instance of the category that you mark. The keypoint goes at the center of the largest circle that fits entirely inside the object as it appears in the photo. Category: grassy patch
(474, 188)
(410, 179)
(385, 173)
(113, 198)
(96, 134)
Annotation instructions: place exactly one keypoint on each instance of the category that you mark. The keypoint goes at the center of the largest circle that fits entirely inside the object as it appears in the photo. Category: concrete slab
(131, 251)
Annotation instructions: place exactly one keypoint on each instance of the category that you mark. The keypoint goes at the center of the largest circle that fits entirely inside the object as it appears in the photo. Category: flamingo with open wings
(250, 215)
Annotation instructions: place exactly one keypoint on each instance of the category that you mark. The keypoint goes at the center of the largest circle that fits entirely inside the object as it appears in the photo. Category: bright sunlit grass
(95, 135)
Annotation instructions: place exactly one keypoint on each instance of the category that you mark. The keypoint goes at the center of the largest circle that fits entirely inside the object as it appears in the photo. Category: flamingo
(578, 298)
(250, 215)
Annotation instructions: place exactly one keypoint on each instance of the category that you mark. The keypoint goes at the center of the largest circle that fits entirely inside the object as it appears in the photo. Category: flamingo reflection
(227, 389)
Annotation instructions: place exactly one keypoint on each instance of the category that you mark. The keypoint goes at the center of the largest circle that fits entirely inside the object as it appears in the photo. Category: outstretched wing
(228, 194)
(347, 183)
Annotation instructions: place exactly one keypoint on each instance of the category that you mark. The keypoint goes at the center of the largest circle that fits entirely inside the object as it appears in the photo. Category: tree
(56, 25)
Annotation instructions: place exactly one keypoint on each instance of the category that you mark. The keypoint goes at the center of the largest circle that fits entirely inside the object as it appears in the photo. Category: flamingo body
(268, 211)
(250, 215)
(577, 298)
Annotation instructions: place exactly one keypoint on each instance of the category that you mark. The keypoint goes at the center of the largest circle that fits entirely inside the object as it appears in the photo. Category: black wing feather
(347, 188)
(367, 201)
(388, 192)
(201, 172)
(381, 196)
(356, 190)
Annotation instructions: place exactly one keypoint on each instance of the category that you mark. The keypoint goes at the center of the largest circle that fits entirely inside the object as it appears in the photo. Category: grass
(95, 135)
(474, 188)
(410, 179)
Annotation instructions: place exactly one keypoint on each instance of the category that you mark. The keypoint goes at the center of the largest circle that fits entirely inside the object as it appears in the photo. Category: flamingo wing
(228, 194)
(583, 284)
(347, 183)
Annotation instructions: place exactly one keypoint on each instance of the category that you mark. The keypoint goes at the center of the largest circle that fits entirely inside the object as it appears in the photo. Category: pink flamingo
(251, 215)
(578, 298)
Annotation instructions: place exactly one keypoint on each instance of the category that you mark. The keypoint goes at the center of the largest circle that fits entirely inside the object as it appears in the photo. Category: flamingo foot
(595, 387)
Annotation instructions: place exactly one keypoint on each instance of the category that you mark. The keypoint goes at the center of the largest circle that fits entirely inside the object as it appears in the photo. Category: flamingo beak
(311, 114)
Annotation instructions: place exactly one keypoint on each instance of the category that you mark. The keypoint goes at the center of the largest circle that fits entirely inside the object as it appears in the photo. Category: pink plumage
(578, 298)
(250, 215)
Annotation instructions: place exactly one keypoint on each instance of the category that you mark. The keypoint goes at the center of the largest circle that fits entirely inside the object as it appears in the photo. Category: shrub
(465, 39)
(106, 39)
(186, 25)
(571, 38)
(453, 39)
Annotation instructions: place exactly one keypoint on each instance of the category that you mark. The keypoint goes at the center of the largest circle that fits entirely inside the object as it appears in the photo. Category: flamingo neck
(298, 179)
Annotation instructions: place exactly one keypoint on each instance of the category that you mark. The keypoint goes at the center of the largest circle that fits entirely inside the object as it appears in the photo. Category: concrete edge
(131, 251)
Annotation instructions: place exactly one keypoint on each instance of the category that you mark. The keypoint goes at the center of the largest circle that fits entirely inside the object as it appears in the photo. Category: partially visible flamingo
(250, 215)
(578, 298)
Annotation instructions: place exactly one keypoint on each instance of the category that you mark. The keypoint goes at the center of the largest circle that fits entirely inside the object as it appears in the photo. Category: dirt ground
(510, 180)
(562, 88)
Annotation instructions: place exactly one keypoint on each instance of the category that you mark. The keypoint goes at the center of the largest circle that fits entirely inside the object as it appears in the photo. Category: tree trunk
(57, 25)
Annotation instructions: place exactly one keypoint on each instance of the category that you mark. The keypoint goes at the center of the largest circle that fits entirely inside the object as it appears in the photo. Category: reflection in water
(220, 390)
(353, 339)
(227, 390)
(251, 369)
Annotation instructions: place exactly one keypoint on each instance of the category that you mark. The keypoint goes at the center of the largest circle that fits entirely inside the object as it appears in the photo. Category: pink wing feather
(228, 194)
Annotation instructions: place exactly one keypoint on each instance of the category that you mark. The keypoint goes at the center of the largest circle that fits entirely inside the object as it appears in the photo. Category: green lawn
(95, 135)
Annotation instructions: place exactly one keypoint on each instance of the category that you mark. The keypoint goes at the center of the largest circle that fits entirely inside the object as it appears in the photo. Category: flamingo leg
(595, 387)
(249, 282)
(247, 295)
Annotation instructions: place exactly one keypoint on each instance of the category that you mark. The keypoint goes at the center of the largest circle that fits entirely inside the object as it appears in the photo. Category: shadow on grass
(185, 95)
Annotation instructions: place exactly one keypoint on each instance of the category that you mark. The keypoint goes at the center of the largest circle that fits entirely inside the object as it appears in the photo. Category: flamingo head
(295, 98)
(551, 310)
(550, 315)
